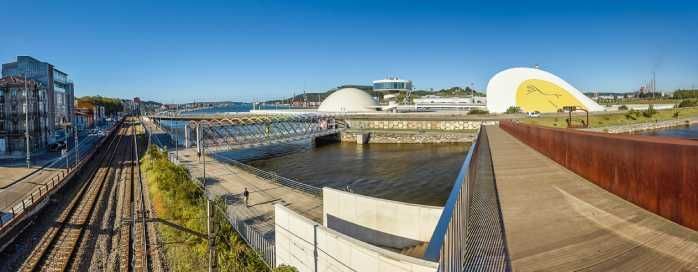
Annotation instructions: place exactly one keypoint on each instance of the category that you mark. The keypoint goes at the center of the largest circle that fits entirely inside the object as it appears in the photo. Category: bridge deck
(557, 221)
(227, 180)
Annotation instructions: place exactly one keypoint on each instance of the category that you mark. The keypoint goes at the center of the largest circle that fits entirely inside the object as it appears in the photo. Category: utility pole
(77, 150)
(26, 121)
(212, 261)
(176, 135)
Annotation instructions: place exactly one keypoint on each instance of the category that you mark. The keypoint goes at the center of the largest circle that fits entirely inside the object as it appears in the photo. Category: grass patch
(177, 200)
(616, 118)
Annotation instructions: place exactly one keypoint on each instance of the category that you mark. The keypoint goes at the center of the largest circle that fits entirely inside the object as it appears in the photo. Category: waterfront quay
(539, 213)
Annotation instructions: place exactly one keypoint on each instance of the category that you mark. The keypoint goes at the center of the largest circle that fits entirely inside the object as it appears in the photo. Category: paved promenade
(227, 180)
(557, 221)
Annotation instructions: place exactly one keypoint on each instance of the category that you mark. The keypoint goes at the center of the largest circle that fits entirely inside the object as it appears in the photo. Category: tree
(688, 103)
(513, 109)
(111, 105)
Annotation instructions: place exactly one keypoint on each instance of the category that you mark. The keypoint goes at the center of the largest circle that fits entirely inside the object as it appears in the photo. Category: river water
(689, 132)
(414, 173)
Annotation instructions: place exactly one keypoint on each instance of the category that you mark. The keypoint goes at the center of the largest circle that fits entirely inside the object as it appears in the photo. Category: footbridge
(243, 130)
(527, 198)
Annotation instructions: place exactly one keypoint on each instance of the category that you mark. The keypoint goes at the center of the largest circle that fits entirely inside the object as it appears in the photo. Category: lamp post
(26, 121)
(77, 150)
(176, 135)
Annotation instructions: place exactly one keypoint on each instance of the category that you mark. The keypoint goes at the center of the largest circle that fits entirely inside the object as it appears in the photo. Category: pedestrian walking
(246, 194)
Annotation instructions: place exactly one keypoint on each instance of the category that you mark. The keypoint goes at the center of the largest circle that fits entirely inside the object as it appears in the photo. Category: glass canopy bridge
(246, 130)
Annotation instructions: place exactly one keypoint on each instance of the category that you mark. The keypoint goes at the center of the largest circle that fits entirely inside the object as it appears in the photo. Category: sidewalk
(226, 180)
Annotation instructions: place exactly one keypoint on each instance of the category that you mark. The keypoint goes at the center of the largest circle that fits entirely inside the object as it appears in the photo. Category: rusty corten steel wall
(657, 173)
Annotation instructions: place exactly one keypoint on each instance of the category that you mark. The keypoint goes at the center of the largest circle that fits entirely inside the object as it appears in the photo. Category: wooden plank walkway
(557, 221)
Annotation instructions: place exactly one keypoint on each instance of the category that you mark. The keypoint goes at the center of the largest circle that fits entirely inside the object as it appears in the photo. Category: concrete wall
(379, 221)
(299, 240)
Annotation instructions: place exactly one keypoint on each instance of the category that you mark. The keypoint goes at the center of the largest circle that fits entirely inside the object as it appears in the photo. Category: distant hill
(319, 96)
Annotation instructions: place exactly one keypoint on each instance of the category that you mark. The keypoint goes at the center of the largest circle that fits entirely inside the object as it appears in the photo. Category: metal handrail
(461, 192)
(273, 177)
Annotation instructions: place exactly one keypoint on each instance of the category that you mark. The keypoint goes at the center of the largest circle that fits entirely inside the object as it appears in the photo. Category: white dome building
(348, 100)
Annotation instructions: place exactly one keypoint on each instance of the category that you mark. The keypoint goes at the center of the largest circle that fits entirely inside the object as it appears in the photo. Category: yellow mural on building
(544, 96)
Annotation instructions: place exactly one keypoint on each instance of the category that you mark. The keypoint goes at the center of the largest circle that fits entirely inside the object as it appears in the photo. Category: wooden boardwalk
(557, 221)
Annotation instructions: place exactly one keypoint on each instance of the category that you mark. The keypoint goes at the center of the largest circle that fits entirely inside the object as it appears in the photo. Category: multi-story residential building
(59, 88)
(16, 96)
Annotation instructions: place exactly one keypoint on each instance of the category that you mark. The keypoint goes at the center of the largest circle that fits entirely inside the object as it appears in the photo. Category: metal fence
(469, 235)
(19, 210)
(448, 243)
(273, 177)
(264, 247)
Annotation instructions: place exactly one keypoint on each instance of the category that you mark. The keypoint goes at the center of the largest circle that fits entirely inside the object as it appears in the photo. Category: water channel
(414, 173)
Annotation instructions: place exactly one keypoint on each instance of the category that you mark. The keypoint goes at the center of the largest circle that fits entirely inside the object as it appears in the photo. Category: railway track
(134, 230)
(68, 244)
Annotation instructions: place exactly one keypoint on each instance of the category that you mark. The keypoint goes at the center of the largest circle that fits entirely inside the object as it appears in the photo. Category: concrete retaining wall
(440, 125)
(408, 137)
(378, 221)
(394, 130)
(299, 240)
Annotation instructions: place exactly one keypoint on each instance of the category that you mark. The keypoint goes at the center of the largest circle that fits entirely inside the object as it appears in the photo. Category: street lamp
(176, 134)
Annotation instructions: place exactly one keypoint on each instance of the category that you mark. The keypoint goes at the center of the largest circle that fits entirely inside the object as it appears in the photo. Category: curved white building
(534, 90)
(348, 100)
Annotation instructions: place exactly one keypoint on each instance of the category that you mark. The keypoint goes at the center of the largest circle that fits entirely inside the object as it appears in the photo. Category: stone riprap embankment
(404, 129)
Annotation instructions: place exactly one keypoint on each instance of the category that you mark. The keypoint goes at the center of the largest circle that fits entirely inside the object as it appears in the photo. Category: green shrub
(649, 112)
(623, 107)
(285, 268)
(513, 109)
(478, 111)
(688, 103)
(178, 199)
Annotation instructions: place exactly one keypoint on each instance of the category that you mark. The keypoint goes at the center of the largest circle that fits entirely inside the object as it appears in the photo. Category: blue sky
(245, 50)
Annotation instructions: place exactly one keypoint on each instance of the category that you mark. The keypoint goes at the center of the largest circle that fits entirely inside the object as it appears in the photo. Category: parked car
(534, 114)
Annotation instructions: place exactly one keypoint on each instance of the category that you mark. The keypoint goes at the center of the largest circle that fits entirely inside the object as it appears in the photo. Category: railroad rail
(63, 246)
(57, 249)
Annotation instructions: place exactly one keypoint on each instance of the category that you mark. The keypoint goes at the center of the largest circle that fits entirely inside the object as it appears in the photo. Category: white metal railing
(264, 247)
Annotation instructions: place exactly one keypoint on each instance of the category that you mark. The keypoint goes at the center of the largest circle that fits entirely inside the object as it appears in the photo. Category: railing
(273, 177)
(448, 243)
(469, 235)
(19, 210)
(658, 174)
(264, 248)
